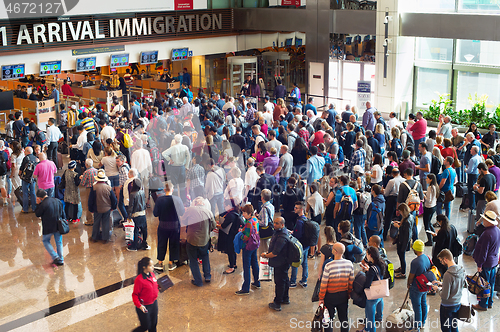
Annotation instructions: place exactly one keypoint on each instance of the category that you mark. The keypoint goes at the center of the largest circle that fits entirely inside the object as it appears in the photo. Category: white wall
(200, 46)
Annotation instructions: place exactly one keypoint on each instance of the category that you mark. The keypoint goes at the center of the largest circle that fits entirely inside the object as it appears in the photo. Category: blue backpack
(470, 244)
(397, 147)
(340, 156)
(189, 94)
(375, 220)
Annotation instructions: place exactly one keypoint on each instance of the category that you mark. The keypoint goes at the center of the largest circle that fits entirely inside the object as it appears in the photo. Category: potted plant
(438, 107)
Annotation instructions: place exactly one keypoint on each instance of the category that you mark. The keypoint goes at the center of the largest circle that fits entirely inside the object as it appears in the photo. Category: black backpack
(346, 207)
(3, 164)
(496, 160)
(435, 165)
(397, 147)
(29, 169)
(311, 232)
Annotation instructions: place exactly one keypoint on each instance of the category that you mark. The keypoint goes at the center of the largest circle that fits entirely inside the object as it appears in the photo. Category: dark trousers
(402, 259)
(148, 319)
(177, 174)
(471, 181)
(414, 229)
(121, 206)
(197, 192)
(281, 284)
(340, 302)
(101, 221)
(231, 255)
(52, 152)
(173, 239)
(448, 318)
(126, 153)
(195, 252)
(428, 213)
(71, 211)
(142, 226)
(390, 209)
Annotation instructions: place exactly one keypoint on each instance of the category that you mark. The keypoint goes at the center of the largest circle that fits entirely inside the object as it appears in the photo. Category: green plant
(495, 119)
(478, 112)
(438, 107)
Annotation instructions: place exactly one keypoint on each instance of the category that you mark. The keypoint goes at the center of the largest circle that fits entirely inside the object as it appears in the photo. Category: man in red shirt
(66, 89)
(418, 131)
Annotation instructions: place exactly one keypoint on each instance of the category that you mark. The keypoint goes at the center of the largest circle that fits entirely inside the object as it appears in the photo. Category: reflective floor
(88, 292)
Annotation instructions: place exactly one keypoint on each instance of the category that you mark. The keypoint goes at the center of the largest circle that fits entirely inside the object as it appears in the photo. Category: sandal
(226, 272)
(400, 276)
(398, 270)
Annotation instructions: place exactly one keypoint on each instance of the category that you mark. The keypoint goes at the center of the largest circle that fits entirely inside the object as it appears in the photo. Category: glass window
(434, 49)
(333, 75)
(475, 5)
(369, 75)
(430, 83)
(351, 75)
(470, 83)
(478, 51)
(427, 6)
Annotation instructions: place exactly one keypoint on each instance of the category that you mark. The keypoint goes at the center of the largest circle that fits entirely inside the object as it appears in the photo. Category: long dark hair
(97, 147)
(377, 260)
(445, 222)
(434, 183)
(142, 264)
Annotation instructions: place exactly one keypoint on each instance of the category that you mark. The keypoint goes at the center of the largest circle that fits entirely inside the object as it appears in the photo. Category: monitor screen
(86, 64)
(149, 58)
(13, 72)
(298, 42)
(50, 68)
(6, 100)
(119, 60)
(179, 54)
(288, 42)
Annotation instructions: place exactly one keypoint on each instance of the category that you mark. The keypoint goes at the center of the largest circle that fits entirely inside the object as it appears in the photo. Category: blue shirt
(312, 108)
(472, 166)
(425, 160)
(314, 169)
(186, 78)
(295, 93)
(449, 174)
(418, 266)
(348, 191)
(55, 95)
(298, 230)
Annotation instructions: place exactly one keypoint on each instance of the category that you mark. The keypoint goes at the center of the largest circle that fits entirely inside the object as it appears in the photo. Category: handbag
(466, 312)
(448, 196)
(62, 226)
(315, 296)
(267, 231)
(478, 285)
(378, 289)
(456, 162)
(320, 317)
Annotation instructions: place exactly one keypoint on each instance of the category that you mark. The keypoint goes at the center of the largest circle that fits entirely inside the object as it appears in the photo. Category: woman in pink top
(261, 153)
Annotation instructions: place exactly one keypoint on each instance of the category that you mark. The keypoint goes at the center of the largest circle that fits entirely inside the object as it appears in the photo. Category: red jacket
(419, 129)
(145, 290)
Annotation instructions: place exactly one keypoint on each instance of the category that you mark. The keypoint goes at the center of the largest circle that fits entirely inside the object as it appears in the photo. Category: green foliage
(478, 112)
(437, 107)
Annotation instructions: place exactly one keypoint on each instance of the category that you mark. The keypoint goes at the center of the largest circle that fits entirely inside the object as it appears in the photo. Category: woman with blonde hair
(379, 135)
(355, 112)
(325, 125)
(279, 109)
(437, 153)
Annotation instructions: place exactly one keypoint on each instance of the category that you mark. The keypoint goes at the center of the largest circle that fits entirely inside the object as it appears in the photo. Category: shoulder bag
(267, 231)
(378, 289)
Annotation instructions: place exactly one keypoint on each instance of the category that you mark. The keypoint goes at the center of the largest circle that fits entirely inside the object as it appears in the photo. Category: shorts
(115, 180)
(2, 181)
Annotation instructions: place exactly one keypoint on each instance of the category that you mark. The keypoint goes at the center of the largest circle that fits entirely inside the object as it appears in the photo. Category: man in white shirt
(393, 121)
(185, 108)
(53, 136)
(251, 177)
(178, 157)
(444, 126)
(268, 106)
(132, 174)
(141, 161)
(117, 109)
(214, 187)
(273, 142)
(106, 132)
(259, 136)
(82, 139)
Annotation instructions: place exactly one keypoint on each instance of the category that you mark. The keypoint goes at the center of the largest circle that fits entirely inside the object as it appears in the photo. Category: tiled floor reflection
(29, 284)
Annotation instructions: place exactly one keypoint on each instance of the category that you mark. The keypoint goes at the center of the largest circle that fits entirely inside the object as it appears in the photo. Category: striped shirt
(197, 176)
(338, 276)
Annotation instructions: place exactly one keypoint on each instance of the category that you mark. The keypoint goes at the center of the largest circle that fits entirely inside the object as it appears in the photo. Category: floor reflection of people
(57, 295)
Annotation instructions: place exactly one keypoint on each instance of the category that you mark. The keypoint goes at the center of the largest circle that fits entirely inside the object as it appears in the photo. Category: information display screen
(119, 60)
(13, 72)
(149, 58)
(50, 68)
(179, 54)
(86, 64)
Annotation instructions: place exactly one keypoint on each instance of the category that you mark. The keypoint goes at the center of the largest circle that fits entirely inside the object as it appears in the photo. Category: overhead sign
(13, 72)
(183, 4)
(50, 68)
(119, 60)
(364, 92)
(95, 50)
(148, 58)
(86, 64)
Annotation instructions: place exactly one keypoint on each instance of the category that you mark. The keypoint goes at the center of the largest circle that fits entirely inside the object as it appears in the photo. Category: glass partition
(429, 84)
(470, 83)
(435, 49)
(478, 51)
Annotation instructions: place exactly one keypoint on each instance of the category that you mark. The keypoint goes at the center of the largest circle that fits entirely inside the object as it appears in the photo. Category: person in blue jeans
(446, 184)
(374, 271)
(298, 232)
(29, 185)
(486, 255)
(419, 265)
(50, 209)
(451, 291)
(250, 229)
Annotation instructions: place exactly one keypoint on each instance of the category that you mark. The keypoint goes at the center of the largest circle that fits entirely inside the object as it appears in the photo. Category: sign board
(95, 50)
(148, 58)
(13, 72)
(86, 64)
(50, 68)
(45, 103)
(119, 60)
(364, 93)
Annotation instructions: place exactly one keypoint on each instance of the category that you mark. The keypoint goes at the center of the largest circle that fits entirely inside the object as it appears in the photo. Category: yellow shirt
(115, 81)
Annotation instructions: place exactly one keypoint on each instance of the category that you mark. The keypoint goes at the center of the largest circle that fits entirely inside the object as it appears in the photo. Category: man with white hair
(251, 177)
(185, 108)
(472, 175)
(444, 126)
(141, 161)
(311, 117)
(132, 174)
(178, 157)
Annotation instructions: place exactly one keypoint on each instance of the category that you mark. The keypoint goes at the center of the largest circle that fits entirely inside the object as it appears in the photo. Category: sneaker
(58, 262)
(436, 225)
(158, 267)
(254, 285)
(428, 244)
(285, 302)
(275, 306)
(146, 248)
(400, 276)
(75, 221)
(240, 292)
(131, 249)
(172, 266)
(5, 203)
(311, 256)
(303, 284)
(292, 285)
(25, 211)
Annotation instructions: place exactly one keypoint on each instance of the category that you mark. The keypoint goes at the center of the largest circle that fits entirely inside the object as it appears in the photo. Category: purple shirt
(271, 164)
(496, 172)
(45, 171)
(486, 250)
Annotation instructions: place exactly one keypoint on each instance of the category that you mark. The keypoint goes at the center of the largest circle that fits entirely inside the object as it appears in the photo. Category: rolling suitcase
(59, 161)
(461, 189)
(19, 195)
(401, 319)
(471, 221)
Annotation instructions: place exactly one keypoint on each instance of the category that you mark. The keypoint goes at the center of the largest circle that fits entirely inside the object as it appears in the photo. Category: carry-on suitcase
(461, 189)
(59, 161)
(471, 221)
(401, 319)
(19, 195)
(465, 202)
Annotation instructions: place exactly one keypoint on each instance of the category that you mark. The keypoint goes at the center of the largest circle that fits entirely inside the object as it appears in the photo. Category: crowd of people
(219, 165)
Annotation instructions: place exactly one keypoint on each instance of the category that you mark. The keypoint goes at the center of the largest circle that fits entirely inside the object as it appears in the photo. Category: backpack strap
(407, 185)
(416, 185)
